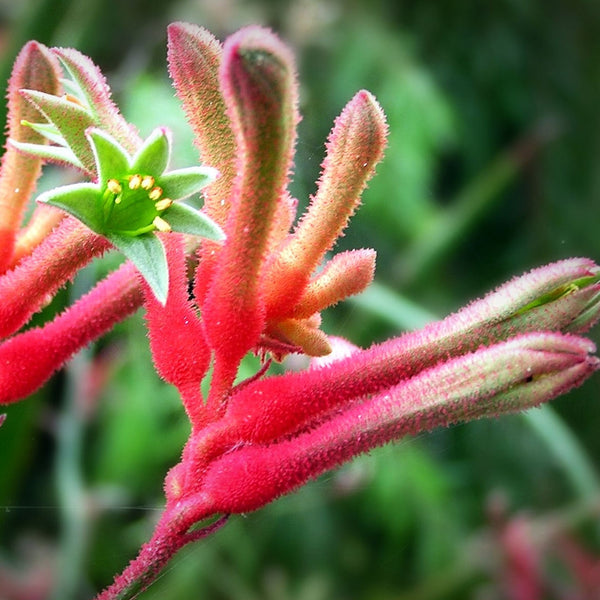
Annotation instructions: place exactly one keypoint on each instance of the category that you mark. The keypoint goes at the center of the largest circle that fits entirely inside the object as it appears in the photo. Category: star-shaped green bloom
(134, 198)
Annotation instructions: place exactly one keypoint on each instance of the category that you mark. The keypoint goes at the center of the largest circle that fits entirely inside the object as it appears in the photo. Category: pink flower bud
(507, 377)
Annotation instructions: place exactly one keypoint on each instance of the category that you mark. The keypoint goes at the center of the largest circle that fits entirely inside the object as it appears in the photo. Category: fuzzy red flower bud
(504, 378)
(36, 68)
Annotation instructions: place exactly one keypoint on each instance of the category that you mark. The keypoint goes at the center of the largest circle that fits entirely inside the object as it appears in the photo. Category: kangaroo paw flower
(133, 198)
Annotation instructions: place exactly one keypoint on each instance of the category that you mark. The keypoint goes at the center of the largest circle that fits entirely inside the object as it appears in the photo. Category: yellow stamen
(155, 193)
(147, 182)
(161, 224)
(135, 181)
(114, 186)
(163, 204)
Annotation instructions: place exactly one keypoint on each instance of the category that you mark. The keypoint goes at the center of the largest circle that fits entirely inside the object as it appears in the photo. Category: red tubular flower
(35, 68)
(195, 57)
(258, 83)
(177, 320)
(35, 280)
(507, 377)
(28, 359)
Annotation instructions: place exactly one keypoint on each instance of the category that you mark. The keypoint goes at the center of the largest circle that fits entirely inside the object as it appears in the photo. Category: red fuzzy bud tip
(344, 275)
(34, 68)
(505, 378)
(355, 146)
(194, 60)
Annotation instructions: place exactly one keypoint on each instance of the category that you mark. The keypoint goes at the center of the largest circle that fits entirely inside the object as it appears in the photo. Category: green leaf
(186, 219)
(153, 156)
(80, 200)
(182, 183)
(147, 253)
(112, 159)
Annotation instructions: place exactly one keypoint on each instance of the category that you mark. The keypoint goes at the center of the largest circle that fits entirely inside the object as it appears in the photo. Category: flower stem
(170, 535)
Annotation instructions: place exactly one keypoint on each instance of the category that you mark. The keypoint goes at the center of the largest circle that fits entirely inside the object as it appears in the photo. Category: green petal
(152, 158)
(70, 119)
(79, 200)
(186, 219)
(112, 159)
(57, 154)
(147, 253)
(182, 183)
(48, 130)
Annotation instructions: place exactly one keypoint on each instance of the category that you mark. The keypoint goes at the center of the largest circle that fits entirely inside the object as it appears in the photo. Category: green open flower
(134, 197)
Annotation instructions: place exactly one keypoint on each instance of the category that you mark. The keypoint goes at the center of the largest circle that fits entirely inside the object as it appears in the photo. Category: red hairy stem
(508, 377)
(259, 87)
(355, 146)
(43, 220)
(29, 359)
(171, 534)
(30, 285)
(179, 349)
(36, 68)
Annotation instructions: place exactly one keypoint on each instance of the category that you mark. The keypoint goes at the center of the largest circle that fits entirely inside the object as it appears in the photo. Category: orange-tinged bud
(356, 144)
(344, 275)
(305, 334)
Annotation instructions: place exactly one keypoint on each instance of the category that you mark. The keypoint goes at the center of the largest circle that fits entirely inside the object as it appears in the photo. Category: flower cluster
(261, 280)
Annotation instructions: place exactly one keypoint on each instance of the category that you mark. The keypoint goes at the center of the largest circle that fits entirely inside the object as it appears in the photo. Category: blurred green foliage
(491, 170)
